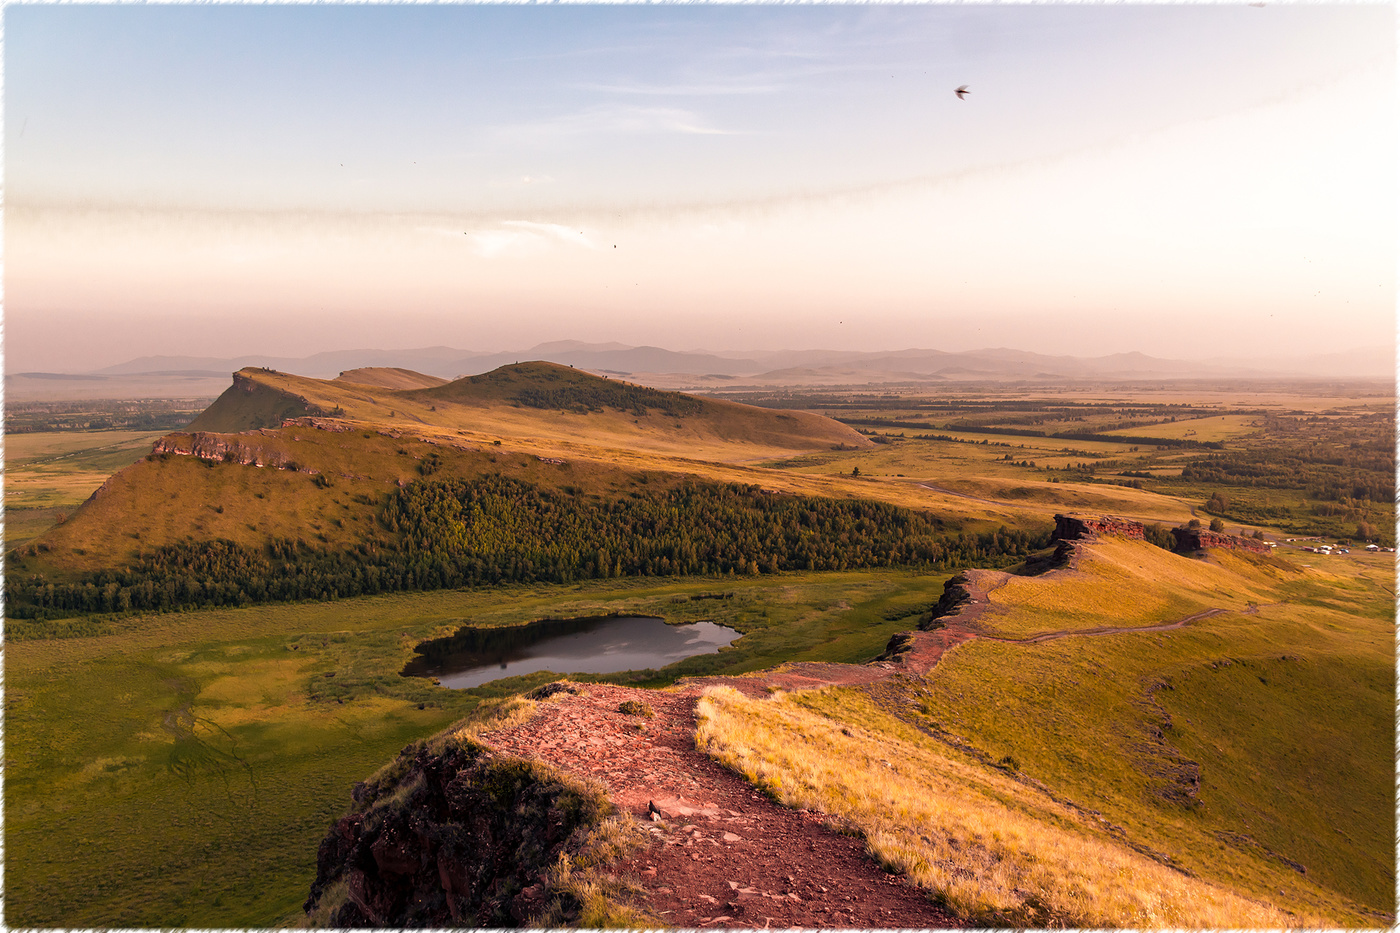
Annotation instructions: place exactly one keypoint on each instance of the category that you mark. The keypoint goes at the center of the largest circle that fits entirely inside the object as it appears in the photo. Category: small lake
(475, 656)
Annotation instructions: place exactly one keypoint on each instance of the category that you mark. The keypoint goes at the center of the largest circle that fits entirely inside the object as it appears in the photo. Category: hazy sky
(1187, 181)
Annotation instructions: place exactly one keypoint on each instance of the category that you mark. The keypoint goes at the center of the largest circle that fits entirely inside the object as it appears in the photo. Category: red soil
(722, 854)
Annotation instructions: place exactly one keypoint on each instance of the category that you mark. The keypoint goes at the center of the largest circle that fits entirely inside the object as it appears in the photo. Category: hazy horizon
(1188, 182)
(1359, 363)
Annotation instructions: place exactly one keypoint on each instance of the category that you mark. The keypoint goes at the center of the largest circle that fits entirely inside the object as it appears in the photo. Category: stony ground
(722, 855)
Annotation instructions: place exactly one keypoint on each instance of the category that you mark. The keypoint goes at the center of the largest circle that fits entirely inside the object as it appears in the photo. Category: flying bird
(962, 92)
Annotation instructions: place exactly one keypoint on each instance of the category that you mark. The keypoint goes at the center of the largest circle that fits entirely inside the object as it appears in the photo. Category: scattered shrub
(635, 708)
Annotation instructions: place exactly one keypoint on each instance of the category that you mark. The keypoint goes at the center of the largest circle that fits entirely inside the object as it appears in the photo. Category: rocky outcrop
(1078, 528)
(1195, 539)
(224, 448)
(957, 593)
(320, 424)
(461, 836)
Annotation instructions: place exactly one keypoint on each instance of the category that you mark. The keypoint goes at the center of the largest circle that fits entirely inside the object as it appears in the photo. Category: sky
(214, 180)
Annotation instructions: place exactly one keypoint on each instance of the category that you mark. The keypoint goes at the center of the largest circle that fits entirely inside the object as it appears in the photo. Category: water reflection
(475, 656)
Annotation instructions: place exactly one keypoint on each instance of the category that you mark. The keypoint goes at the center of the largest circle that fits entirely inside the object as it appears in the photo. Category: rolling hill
(286, 458)
(533, 403)
(389, 377)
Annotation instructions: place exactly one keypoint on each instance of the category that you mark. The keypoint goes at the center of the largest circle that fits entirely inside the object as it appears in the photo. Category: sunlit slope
(994, 851)
(328, 487)
(1117, 582)
(255, 400)
(1252, 749)
(324, 487)
(530, 402)
(389, 377)
(1254, 746)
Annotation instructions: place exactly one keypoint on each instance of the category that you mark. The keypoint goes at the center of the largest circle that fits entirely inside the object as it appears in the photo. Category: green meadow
(1253, 748)
(182, 769)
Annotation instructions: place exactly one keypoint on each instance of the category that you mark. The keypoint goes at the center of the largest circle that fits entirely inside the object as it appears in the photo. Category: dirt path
(724, 855)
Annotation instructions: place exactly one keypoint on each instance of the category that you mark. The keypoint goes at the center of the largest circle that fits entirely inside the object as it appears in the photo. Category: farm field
(49, 474)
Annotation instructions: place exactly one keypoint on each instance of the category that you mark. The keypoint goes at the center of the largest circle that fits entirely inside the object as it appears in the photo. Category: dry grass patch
(1121, 583)
(993, 851)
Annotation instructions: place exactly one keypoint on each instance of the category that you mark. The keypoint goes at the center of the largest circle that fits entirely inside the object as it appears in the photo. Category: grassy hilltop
(542, 404)
(1252, 749)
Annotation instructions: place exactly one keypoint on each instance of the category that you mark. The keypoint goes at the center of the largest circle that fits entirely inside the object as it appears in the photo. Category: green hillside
(1252, 749)
(341, 514)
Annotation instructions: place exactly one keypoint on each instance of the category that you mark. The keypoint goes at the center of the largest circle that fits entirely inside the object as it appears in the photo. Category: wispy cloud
(684, 90)
(515, 237)
(615, 120)
(556, 231)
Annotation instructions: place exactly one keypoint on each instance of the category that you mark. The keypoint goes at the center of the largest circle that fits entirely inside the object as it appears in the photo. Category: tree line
(594, 395)
(495, 529)
(1322, 473)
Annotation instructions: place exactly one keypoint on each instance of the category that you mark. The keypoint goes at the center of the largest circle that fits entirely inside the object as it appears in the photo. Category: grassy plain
(181, 770)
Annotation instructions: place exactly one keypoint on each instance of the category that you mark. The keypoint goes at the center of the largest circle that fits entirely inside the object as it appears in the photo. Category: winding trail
(723, 855)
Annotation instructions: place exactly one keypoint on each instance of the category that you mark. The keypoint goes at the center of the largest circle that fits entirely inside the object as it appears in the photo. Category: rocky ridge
(226, 448)
(720, 854)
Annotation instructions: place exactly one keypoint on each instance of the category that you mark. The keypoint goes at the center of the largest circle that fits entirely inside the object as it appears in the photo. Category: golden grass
(389, 377)
(601, 896)
(60, 469)
(36, 445)
(1121, 583)
(1214, 428)
(491, 716)
(481, 412)
(993, 851)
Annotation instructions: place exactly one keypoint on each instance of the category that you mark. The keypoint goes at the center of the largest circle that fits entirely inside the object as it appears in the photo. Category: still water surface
(475, 656)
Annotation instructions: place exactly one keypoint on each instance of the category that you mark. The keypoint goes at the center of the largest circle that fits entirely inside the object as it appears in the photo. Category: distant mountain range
(700, 369)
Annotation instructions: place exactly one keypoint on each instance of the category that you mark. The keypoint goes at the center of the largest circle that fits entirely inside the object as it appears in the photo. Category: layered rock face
(1075, 527)
(957, 592)
(1079, 528)
(460, 837)
(1193, 539)
(242, 449)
